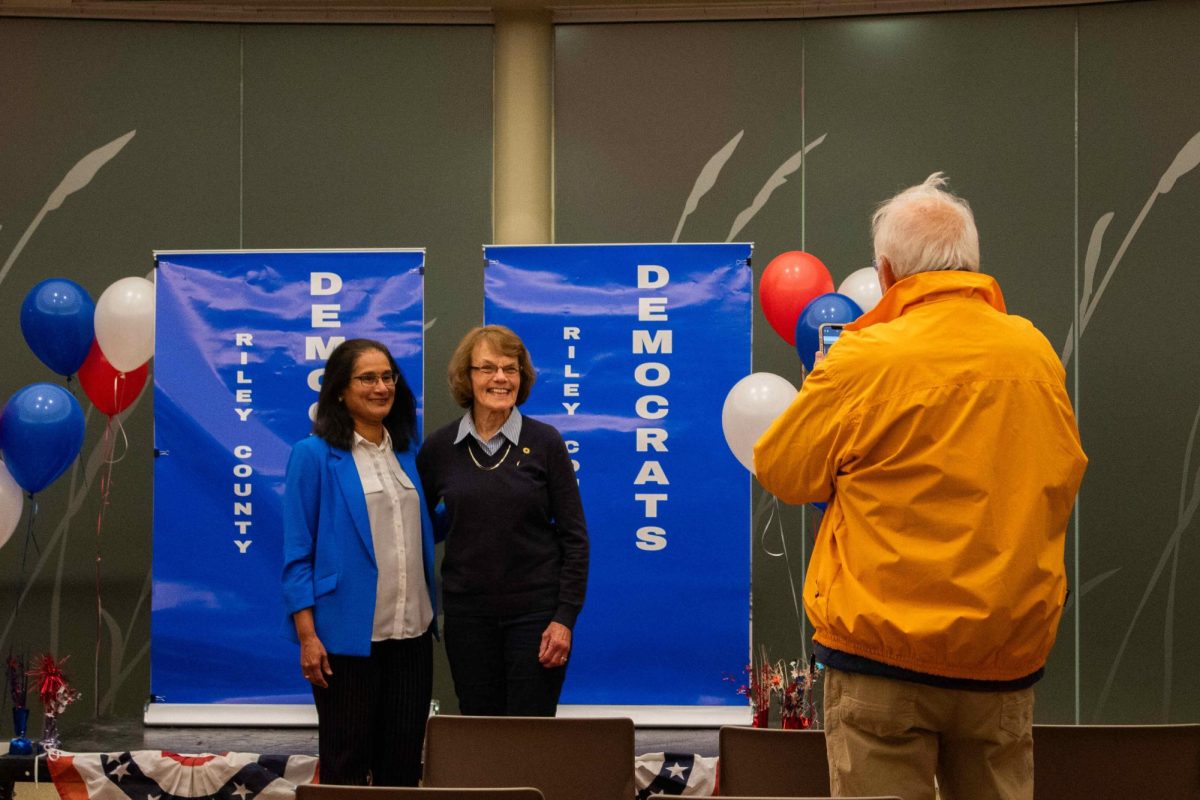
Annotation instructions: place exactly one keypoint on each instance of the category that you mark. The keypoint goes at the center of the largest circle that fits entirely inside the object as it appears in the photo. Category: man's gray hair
(926, 228)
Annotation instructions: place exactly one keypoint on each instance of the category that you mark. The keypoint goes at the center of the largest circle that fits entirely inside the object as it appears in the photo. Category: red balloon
(109, 390)
(789, 283)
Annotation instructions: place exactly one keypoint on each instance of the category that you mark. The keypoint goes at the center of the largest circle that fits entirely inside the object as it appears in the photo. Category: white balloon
(750, 407)
(862, 286)
(125, 323)
(12, 503)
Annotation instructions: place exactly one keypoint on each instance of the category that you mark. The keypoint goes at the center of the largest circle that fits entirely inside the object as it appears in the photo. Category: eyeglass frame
(510, 371)
(370, 380)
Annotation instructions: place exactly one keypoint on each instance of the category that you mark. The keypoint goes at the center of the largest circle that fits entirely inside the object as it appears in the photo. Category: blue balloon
(832, 307)
(58, 321)
(41, 431)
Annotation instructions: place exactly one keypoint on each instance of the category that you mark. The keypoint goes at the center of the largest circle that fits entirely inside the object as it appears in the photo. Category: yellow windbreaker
(940, 433)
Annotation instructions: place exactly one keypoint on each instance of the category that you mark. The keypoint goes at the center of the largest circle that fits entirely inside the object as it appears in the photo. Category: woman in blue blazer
(358, 578)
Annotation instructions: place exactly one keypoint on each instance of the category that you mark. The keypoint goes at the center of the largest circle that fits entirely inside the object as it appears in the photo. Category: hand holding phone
(827, 334)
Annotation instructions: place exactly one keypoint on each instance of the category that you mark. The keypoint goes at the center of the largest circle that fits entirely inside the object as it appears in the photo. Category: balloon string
(118, 398)
(29, 533)
(119, 428)
(777, 518)
(29, 537)
(118, 386)
(110, 441)
(767, 528)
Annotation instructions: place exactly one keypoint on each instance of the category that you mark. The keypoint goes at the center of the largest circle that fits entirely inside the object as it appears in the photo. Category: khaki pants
(890, 737)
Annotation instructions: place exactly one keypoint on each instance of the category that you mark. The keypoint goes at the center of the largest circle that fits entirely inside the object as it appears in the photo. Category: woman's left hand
(556, 645)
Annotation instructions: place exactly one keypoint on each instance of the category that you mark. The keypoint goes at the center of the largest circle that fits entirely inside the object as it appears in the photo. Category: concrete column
(522, 198)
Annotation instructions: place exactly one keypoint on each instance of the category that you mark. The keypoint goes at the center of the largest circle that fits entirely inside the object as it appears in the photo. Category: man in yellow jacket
(939, 431)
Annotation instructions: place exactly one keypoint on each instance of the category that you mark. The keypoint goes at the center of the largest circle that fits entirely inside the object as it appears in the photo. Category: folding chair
(771, 762)
(1084, 762)
(567, 759)
(312, 791)
(773, 797)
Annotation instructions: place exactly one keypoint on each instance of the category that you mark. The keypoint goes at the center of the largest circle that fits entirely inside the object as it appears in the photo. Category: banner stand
(636, 347)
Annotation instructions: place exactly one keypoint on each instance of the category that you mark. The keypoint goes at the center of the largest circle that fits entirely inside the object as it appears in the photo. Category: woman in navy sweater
(515, 567)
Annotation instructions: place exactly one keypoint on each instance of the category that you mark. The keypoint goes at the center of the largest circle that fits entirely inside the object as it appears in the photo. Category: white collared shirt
(402, 606)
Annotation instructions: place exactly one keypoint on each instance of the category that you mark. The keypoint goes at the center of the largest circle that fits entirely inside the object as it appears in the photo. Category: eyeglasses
(369, 379)
(510, 371)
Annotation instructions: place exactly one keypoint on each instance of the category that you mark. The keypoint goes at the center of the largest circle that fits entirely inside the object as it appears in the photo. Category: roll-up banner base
(195, 715)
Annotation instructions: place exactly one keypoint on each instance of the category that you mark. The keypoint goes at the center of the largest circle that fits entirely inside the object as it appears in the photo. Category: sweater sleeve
(571, 530)
(430, 477)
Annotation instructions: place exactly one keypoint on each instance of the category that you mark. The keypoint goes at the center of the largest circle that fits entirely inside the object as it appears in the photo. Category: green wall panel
(297, 136)
(906, 96)
(640, 112)
(246, 136)
(71, 87)
(1139, 372)
(360, 136)
(1045, 119)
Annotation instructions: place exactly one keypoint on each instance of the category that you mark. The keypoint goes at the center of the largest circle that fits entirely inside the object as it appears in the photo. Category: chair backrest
(771, 762)
(312, 791)
(567, 759)
(823, 797)
(1121, 761)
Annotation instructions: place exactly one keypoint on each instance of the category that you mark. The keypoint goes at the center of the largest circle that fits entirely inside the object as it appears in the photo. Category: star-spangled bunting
(161, 775)
(675, 774)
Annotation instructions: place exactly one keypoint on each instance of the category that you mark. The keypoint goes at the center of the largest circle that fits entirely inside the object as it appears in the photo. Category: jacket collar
(931, 287)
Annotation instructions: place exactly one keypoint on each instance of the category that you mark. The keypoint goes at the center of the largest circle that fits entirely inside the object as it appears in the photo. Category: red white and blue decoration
(162, 775)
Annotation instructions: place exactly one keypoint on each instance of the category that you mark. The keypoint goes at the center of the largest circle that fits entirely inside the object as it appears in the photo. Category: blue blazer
(328, 555)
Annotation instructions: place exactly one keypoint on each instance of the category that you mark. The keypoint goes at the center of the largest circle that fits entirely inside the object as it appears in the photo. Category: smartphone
(828, 332)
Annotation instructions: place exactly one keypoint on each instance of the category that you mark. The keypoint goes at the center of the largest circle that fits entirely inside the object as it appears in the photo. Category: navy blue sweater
(516, 539)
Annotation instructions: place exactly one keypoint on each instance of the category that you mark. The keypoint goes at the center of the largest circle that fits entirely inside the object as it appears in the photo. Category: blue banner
(636, 347)
(241, 342)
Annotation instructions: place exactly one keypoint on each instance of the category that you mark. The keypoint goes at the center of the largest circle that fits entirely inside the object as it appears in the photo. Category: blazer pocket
(324, 586)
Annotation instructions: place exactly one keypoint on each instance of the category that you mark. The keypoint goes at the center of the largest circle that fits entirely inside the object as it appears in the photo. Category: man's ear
(887, 278)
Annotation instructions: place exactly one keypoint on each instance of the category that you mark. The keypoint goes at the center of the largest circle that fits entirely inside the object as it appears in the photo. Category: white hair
(926, 228)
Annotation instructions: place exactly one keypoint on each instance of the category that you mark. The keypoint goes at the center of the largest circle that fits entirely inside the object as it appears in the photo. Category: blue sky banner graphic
(636, 347)
(241, 341)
